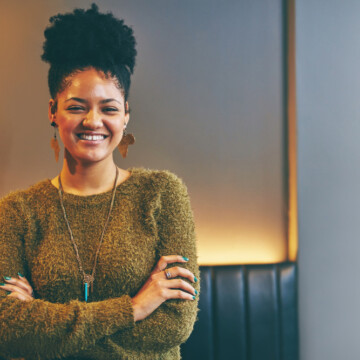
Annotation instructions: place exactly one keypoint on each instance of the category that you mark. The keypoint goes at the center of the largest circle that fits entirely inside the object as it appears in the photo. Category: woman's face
(90, 116)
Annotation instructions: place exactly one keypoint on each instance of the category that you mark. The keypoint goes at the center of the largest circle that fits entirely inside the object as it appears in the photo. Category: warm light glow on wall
(235, 247)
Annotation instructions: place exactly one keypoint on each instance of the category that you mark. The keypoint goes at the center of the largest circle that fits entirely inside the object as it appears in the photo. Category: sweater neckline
(96, 198)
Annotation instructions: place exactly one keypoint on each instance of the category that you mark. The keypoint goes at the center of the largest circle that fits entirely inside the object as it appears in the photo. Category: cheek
(71, 123)
(117, 128)
(66, 131)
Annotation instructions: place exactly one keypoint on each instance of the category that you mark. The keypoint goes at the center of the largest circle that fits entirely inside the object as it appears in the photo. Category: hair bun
(87, 37)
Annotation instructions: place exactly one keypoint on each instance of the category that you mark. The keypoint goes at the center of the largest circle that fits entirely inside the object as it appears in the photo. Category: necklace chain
(88, 279)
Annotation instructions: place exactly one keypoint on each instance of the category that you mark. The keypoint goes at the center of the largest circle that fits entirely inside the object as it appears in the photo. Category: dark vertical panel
(290, 126)
(200, 343)
(289, 316)
(230, 314)
(263, 319)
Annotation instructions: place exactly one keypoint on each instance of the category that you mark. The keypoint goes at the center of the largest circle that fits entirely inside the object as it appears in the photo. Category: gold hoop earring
(126, 140)
(54, 143)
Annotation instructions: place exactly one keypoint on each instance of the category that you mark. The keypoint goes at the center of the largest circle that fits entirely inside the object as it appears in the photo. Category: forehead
(91, 84)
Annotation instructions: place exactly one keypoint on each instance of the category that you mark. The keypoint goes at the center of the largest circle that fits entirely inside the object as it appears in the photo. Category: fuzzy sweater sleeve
(40, 329)
(172, 323)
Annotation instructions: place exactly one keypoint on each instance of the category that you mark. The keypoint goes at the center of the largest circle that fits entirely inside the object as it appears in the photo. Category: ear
(52, 110)
(127, 113)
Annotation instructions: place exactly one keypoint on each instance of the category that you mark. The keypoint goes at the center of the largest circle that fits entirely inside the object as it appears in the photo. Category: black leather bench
(247, 312)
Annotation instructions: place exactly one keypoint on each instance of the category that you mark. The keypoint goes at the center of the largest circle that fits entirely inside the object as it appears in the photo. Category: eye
(110, 109)
(75, 108)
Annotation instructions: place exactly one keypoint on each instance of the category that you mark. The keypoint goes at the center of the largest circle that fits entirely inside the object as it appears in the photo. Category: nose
(92, 120)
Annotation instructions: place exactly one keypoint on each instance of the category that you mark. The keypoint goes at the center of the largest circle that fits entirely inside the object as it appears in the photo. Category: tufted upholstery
(247, 312)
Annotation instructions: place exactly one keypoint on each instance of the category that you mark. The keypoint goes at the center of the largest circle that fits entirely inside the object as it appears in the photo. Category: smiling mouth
(91, 137)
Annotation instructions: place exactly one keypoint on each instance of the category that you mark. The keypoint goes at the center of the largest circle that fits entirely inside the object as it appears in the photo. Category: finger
(4, 287)
(21, 284)
(20, 296)
(23, 278)
(169, 259)
(29, 287)
(179, 294)
(15, 288)
(179, 284)
(179, 271)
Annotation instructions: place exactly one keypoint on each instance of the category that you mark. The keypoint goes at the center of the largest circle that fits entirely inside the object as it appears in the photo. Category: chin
(95, 158)
(90, 156)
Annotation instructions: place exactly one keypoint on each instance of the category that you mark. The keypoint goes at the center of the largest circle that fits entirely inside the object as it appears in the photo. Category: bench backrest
(247, 312)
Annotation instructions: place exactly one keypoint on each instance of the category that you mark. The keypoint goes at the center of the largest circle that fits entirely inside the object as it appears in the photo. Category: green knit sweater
(151, 217)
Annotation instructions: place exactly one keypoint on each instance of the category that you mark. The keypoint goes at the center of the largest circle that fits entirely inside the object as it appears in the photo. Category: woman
(98, 262)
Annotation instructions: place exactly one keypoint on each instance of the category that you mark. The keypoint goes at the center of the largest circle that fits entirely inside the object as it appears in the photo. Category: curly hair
(87, 38)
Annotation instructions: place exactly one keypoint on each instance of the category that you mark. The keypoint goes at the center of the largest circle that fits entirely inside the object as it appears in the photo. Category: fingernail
(20, 274)
(8, 292)
(185, 258)
(193, 297)
(196, 292)
(7, 277)
(195, 279)
(2, 284)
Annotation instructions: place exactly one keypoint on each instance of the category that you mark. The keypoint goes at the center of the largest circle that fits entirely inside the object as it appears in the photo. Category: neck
(89, 178)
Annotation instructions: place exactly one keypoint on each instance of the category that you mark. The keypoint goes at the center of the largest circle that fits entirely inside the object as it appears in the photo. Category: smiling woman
(91, 116)
(98, 262)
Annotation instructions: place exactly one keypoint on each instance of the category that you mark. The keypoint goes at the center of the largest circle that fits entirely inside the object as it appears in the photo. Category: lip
(90, 133)
(87, 141)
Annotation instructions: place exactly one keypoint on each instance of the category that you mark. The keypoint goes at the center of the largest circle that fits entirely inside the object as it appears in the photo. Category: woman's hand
(160, 287)
(18, 288)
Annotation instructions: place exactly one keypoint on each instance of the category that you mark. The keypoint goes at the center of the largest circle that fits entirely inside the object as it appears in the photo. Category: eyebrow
(83, 101)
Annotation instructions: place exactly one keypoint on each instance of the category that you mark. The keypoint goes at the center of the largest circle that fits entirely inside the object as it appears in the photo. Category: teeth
(91, 137)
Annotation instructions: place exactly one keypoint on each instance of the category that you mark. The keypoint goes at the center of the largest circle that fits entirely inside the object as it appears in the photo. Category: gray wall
(207, 103)
(328, 91)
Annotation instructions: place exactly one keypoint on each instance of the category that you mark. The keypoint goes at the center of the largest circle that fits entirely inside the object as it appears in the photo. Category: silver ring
(168, 274)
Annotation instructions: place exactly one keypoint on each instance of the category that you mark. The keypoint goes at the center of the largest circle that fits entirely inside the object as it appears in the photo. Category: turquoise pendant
(88, 282)
(86, 291)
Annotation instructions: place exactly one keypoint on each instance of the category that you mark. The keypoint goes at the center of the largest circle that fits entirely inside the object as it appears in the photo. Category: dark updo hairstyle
(81, 39)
